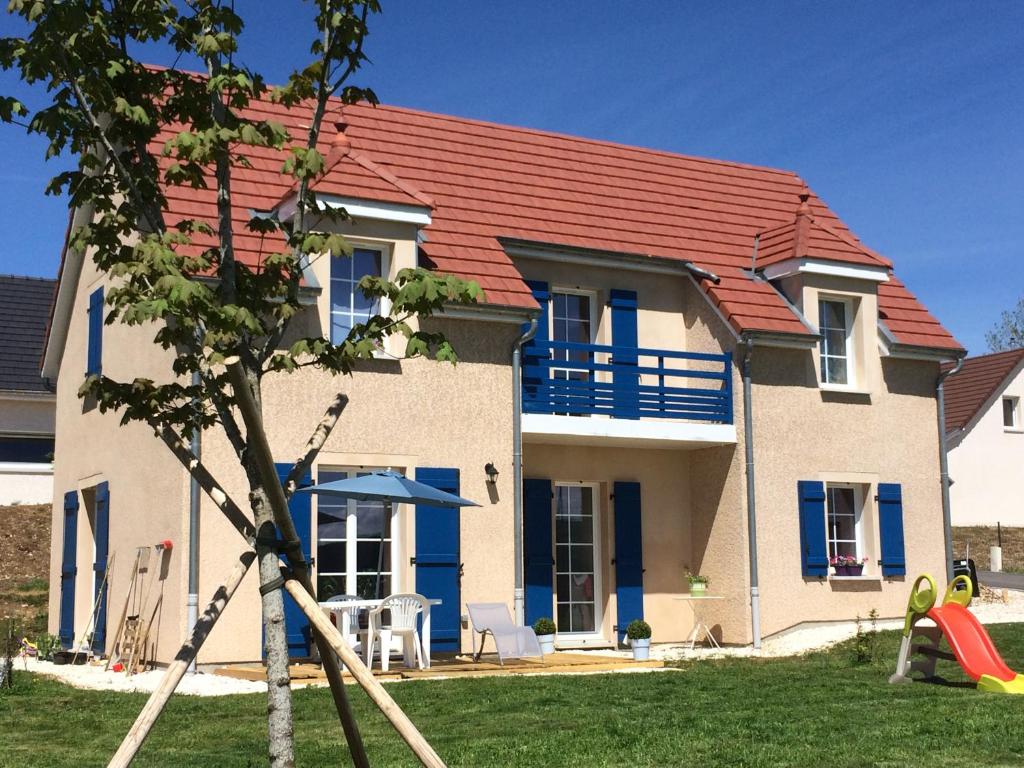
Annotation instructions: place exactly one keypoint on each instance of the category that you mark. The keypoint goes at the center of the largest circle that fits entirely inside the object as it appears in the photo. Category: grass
(820, 710)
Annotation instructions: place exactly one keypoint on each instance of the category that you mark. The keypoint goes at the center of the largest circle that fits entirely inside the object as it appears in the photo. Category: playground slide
(973, 648)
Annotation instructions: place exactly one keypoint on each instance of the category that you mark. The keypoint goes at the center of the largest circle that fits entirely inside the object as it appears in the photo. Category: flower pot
(547, 643)
(854, 570)
(641, 649)
(842, 570)
(698, 588)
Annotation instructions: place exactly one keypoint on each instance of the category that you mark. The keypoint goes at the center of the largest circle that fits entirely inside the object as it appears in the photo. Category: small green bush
(865, 642)
(544, 626)
(638, 629)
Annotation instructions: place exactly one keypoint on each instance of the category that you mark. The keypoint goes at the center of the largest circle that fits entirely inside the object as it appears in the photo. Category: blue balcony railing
(626, 383)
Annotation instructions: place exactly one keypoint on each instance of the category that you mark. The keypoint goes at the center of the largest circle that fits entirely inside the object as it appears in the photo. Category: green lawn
(822, 710)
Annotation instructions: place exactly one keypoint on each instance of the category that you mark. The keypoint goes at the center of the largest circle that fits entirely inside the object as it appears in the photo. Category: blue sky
(906, 118)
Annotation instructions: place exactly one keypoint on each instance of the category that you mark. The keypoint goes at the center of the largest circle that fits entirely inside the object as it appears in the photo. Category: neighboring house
(27, 401)
(985, 434)
(636, 265)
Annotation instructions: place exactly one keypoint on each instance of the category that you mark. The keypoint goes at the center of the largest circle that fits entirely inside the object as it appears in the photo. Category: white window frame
(1014, 413)
(850, 349)
(590, 294)
(858, 519)
(578, 637)
(385, 271)
(351, 542)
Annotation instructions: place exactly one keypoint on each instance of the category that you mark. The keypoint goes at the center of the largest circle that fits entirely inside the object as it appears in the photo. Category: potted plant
(847, 565)
(545, 630)
(698, 584)
(639, 633)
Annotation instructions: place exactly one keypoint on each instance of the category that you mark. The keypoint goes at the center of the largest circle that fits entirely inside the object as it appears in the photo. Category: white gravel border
(808, 637)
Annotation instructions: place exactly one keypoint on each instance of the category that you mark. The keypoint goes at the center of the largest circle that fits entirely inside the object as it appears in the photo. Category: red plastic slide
(971, 644)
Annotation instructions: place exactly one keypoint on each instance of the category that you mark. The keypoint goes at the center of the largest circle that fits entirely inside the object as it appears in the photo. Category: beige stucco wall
(147, 486)
(804, 433)
(404, 414)
(986, 465)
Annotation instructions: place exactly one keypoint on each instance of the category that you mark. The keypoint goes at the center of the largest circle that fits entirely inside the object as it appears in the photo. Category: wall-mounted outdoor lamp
(492, 473)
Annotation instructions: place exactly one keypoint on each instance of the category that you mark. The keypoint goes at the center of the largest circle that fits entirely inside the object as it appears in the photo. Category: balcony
(606, 395)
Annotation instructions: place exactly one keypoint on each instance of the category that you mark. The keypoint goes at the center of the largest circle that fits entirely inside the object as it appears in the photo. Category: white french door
(577, 559)
(354, 539)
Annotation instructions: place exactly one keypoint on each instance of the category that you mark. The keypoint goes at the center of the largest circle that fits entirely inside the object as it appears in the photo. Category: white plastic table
(699, 627)
(341, 608)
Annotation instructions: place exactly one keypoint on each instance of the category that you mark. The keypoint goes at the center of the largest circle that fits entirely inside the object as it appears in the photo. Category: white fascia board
(831, 268)
(67, 287)
(26, 468)
(368, 209)
(575, 430)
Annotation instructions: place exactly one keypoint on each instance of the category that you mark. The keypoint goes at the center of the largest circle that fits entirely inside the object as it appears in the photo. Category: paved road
(1001, 580)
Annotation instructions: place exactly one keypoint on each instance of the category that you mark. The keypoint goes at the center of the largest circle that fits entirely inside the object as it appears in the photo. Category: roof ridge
(853, 243)
(1015, 351)
(9, 275)
(359, 156)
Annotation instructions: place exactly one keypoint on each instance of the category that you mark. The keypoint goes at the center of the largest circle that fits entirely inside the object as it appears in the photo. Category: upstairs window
(94, 345)
(835, 322)
(349, 306)
(1011, 412)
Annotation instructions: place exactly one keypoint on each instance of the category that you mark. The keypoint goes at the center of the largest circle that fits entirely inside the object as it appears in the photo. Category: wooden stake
(409, 733)
(177, 668)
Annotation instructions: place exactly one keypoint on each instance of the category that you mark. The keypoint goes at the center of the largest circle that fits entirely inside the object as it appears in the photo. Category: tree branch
(315, 443)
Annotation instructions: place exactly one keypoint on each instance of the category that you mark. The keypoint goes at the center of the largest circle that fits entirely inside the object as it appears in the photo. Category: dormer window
(348, 304)
(835, 323)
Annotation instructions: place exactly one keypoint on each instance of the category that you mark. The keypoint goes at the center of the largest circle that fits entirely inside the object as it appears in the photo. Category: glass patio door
(572, 321)
(577, 586)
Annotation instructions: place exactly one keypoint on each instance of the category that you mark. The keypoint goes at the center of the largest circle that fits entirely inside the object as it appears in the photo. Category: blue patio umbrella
(392, 488)
(389, 486)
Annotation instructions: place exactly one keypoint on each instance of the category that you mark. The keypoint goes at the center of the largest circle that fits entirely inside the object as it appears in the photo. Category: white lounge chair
(511, 641)
(405, 609)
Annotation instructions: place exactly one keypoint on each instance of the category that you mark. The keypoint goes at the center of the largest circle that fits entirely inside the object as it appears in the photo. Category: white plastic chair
(405, 609)
(511, 641)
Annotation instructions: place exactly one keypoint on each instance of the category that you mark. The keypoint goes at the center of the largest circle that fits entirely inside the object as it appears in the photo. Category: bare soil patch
(25, 566)
(980, 538)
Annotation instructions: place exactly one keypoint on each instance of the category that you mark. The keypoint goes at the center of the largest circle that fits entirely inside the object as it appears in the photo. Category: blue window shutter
(438, 566)
(813, 546)
(537, 550)
(629, 555)
(535, 374)
(890, 529)
(624, 338)
(300, 636)
(94, 353)
(102, 532)
(68, 570)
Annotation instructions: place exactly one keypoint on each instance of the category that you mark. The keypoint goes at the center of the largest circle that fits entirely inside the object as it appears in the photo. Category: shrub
(865, 642)
(696, 578)
(638, 629)
(544, 626)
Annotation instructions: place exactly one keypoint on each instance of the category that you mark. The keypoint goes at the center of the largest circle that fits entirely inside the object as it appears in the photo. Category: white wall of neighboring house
(986, 464)
(26, 415)
(25, 483)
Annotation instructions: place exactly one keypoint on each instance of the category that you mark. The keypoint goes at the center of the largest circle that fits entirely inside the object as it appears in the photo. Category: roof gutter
(591, 257)
(947, 524)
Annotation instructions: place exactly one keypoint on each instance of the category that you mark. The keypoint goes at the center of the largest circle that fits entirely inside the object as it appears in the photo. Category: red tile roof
(486, 181)
(806, 236)
(970, 388)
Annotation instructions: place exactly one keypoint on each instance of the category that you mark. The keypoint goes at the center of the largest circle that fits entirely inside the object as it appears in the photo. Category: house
(27, 401)
(985, 435)
(647, 292)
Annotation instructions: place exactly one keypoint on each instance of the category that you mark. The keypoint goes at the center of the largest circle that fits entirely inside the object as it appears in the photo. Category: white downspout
(519, 595)
(947, 523)
(748, 445)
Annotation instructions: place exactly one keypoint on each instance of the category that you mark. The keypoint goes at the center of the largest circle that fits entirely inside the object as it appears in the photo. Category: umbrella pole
(380, 551)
